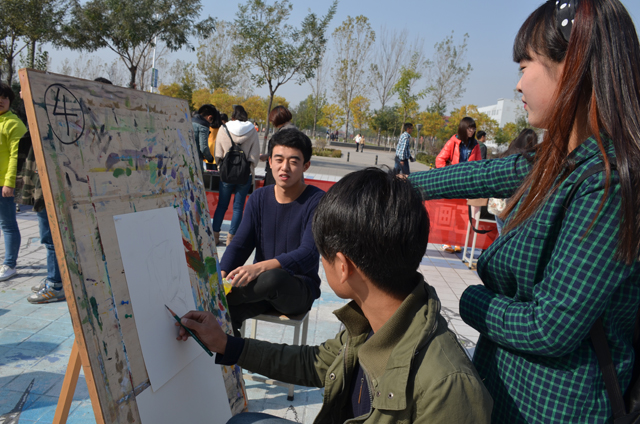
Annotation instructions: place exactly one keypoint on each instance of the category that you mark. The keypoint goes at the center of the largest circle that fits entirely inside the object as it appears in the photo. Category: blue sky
(491, 25)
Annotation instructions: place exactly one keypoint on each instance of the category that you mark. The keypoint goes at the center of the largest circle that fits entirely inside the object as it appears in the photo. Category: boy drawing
(396, 361)
(277, 224)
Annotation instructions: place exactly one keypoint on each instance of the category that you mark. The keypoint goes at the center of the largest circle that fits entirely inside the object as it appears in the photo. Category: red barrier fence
(448, 217)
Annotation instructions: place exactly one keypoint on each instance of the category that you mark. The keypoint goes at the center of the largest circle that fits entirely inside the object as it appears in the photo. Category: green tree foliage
(449, 74)
(432, 124)
(216, 60)
(275, 52)
(42, 22)
(130, 27)
(353, 39)
(387, 120)
(404, 87)
(303, 113)
(507, 133)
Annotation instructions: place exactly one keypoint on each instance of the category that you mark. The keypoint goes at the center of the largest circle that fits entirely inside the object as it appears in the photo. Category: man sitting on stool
(277, 224)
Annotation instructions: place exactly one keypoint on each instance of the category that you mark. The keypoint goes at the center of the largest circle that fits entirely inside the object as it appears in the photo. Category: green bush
(331, 153)
(426, 159)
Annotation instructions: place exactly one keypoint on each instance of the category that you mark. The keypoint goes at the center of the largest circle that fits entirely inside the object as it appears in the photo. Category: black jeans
(274, 290)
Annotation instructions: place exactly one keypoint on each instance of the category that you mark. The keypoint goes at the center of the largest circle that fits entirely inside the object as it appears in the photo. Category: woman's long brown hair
(600, 76)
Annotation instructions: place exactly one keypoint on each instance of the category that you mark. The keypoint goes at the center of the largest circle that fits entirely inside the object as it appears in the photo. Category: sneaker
(40, 286)
(451, 249)
(7, 272)
(47, 295)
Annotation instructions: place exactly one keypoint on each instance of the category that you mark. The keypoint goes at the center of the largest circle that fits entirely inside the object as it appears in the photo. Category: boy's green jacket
(417, 370)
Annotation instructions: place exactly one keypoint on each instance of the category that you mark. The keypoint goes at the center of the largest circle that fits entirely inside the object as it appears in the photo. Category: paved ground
(36, 340)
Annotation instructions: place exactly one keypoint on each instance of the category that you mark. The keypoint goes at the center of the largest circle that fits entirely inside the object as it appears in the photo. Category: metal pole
(348, 153)
(376, 159)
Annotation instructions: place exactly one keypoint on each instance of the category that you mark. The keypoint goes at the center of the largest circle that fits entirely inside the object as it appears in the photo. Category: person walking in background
(481, 136)
(202, 121)
(461, 147)
(280, 117)
(362, 144)
(403, 152)
(245, 135)
(11, 130)
(568, 261)
(357, 140)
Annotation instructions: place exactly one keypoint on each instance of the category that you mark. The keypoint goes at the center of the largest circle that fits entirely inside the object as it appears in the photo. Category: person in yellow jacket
(11, 130)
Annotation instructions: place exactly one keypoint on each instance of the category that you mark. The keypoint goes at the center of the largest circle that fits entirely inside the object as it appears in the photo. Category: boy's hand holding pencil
(206, 328)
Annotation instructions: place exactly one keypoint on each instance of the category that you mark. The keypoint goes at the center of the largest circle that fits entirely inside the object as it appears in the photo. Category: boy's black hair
(379, 222)
(480, 134)
(293, 138)
(224, 117)
(6, 91)
(406, 126)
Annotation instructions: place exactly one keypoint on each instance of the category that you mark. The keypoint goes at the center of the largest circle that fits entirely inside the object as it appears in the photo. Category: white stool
(296, 321)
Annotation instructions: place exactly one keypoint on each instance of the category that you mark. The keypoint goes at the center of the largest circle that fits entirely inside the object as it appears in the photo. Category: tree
(385, 120)
(318, 93)
(256, 109)
(130, 27)
(353, 41)
(507, 133)
(42, 22)
(220, 98)
(389, 55)
(303, 114)
(359, 108)
(11, 31)
(273, 51)
(185, 88)
(332, 116)
(449, 74)
(432, 123)
(216, 60)
(409, 76)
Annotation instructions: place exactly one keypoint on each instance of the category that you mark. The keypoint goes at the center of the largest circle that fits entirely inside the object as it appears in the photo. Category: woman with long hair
(461, 147)
(567, 260)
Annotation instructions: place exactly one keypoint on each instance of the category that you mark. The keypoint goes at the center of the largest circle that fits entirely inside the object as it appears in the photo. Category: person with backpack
(567, 264)
(239, 139)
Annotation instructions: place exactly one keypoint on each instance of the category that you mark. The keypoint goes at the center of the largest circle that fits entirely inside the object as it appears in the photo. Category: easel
(69, 387)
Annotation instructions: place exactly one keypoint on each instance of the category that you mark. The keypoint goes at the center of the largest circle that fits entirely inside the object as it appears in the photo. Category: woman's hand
(206, 328)
(7, 191)
(264, 158)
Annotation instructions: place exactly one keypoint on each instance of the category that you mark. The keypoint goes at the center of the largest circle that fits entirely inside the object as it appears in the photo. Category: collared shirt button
(390, 395)
(377, 394)
(332, 376)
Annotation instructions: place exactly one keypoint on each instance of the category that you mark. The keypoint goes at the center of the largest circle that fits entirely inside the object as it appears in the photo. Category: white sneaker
(7, 272)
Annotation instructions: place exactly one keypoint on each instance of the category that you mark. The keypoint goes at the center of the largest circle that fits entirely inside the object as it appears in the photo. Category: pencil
(177, 318)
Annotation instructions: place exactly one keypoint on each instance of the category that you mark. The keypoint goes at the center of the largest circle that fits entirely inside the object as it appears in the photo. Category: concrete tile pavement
(36, 340)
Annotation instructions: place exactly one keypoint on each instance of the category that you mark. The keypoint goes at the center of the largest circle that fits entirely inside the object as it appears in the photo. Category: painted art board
(103, 151)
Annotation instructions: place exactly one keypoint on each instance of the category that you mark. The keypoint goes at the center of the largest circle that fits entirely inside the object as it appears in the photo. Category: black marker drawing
(65, 113)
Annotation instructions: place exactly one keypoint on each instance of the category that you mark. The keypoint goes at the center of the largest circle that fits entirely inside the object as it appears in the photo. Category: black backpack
(234, 168)
(626, 408)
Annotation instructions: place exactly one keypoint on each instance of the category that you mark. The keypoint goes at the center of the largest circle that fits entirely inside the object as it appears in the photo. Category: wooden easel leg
(68, 386)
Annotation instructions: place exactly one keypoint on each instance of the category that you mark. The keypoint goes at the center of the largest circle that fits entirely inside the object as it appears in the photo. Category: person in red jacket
(461, 147)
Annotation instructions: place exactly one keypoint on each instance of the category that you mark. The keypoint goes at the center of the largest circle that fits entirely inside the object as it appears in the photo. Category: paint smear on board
(94, 308)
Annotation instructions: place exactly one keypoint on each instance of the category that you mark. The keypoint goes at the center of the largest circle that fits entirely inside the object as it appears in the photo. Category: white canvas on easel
(156, 271)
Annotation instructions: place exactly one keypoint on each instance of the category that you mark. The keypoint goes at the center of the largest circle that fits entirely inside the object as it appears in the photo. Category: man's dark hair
(379, 222)
(103, 80)
(6, 91)
(406, 126)
(239, 114)
(480, 134)
(210, 110)
(224, 117)
(293, 138)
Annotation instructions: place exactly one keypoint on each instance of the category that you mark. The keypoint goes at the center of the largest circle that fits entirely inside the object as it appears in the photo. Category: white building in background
(507, 110)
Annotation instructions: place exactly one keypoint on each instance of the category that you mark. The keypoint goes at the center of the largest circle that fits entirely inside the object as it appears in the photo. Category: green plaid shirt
(539, 299)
